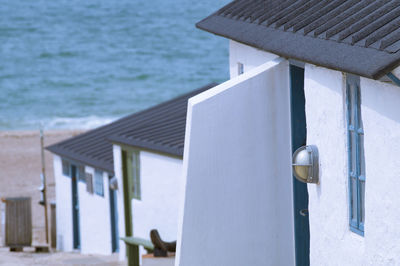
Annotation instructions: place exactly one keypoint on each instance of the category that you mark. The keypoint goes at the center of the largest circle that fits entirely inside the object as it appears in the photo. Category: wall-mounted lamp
(113, 183)
(305, 164)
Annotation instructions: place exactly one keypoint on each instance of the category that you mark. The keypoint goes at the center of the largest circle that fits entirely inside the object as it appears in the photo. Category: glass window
(136, 175)
(81, 173)
(66, 168)
(89, 183)
(356, 158)
(98, 182)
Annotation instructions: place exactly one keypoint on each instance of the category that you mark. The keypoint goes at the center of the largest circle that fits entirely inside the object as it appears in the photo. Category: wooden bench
(132, 248)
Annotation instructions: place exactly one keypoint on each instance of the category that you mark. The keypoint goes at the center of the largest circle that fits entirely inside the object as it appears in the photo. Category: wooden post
(44, 185)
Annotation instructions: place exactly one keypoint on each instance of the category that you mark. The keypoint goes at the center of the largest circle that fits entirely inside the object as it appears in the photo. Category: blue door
(300, 193)
(75, 209)
(114, 221)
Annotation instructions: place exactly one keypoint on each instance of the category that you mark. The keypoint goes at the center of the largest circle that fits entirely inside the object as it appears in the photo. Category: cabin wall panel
(63, 207)
(161, 191)
(94, 221)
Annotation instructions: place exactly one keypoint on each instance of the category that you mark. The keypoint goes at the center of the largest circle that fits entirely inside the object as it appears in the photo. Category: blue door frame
(300, 193)
(114, 221)
(75, 209)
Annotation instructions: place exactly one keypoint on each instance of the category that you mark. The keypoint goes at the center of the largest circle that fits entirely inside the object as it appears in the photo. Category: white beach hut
(121, 179)
(321, 73)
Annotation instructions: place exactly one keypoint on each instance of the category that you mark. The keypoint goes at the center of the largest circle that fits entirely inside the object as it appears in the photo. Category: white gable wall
(332, 242)
(238, 207)
(249, 56)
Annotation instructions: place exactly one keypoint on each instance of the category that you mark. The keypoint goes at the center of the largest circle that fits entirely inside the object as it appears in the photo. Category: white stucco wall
(332, 242)
(238, 206)
(249, 56)
(94, 214)
(381, 120)
(161, 193)
(63, 207)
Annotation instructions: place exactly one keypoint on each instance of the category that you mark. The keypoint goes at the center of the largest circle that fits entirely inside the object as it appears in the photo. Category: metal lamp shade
(305, 164)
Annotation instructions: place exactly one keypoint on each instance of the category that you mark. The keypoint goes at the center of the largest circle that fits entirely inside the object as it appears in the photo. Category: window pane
(66, 168)
(354, 199)
(351, 107)
(353, 153)
(89, 183)
(362, 201)
(361, 154)
(81, 173)
(98, 185)
(136, 174)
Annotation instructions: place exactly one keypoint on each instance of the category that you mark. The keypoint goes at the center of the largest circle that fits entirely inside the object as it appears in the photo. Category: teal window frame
(356, 158)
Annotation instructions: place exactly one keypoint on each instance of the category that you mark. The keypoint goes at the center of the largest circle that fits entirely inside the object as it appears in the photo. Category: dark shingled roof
(160, 129)
(356, 36)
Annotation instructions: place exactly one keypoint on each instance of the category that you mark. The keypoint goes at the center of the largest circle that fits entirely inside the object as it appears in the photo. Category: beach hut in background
(121, 179)
(323, 73)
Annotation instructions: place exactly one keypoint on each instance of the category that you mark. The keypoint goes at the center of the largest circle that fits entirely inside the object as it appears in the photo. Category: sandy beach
(20, 168)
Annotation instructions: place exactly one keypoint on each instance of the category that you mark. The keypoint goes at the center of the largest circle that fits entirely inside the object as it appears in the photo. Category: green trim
(127, 199)
(134, 148)
(132, 248)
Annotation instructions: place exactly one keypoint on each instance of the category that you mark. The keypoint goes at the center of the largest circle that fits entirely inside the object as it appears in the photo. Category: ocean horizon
(80, 65)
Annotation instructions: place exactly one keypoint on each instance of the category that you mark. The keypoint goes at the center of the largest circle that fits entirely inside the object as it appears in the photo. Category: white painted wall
(94, 212)
(238, 207)
(63, 207)
(161, 190)
(249, 56)
(332, 242)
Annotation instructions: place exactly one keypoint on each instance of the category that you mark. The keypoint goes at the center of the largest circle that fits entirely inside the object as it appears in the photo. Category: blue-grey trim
(393, 78)
(356, 226)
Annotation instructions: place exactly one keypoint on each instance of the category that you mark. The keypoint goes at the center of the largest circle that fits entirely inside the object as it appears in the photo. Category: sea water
(70, 64)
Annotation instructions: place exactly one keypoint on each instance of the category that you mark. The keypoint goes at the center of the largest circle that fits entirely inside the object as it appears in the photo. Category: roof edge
(242, 32)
